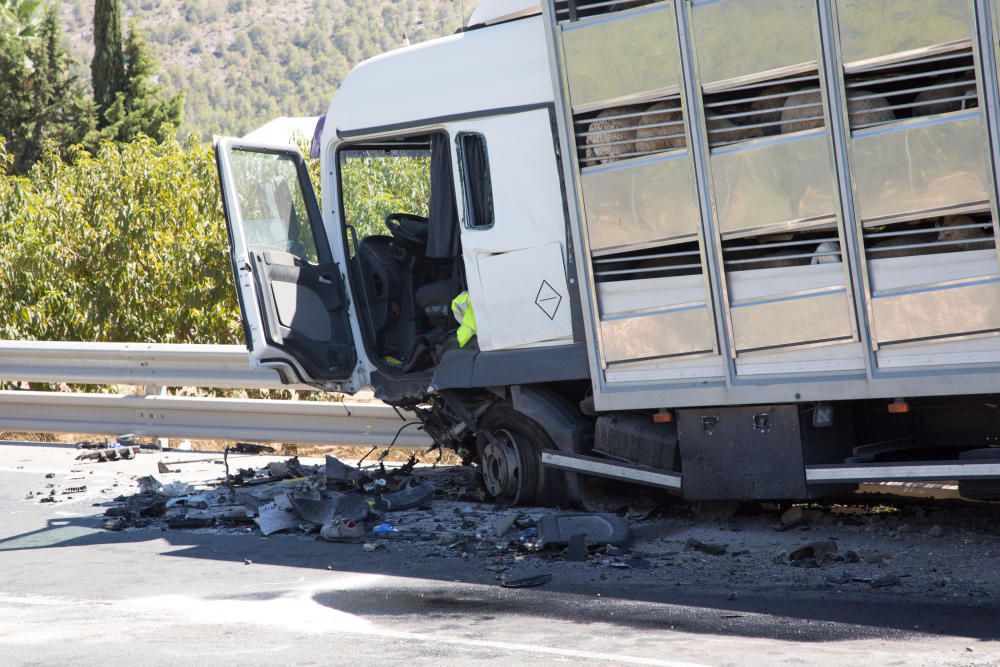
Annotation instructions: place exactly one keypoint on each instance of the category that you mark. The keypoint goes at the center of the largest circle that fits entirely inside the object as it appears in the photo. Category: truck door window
(272, 204)
(475, 174)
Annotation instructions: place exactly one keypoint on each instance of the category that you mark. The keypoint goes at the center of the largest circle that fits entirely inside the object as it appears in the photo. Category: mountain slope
(242, 62)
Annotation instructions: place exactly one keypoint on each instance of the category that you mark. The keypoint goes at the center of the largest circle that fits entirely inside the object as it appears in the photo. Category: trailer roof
(495, 67)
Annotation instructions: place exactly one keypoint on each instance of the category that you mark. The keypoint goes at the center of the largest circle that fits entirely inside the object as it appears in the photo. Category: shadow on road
(433, 588)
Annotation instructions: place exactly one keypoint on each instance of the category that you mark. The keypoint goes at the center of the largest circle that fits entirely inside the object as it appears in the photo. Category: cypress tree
(107, 69)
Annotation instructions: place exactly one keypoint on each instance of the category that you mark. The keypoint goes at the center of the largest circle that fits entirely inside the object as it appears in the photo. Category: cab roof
(491, 68)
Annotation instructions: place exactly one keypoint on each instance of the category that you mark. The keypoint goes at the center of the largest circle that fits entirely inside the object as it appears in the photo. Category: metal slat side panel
(636, 180)
(774, 183)
(923, 154)
(642, 203)
(738, 39)
(872, 29)
(921, 167)
(793, 321)
(938, 312)
(650, 336)
(622, 57)
(775, 197)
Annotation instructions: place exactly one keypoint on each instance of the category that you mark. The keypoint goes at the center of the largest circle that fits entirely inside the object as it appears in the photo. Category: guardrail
(302, 422)
(156, 364)
(165, 365)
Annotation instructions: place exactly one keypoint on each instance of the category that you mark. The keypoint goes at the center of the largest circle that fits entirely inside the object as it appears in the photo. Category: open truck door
(291, 291)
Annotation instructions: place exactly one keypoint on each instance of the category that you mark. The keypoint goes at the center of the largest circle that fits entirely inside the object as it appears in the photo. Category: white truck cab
(722, 247)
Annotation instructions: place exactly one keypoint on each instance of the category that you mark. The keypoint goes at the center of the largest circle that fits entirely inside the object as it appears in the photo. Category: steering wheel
(407, 227)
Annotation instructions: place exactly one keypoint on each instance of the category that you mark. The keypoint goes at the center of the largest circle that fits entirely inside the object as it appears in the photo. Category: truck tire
(510, 461)
(980, 489)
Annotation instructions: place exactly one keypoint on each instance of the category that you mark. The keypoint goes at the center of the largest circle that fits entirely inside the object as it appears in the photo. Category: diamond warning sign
(548, 299)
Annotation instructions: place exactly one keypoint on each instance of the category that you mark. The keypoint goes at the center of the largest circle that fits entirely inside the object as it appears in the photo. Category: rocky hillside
(242, 62)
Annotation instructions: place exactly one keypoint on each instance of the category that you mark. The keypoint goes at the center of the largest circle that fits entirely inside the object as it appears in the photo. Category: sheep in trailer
(661, 128)
(869, 111)
(802, 110)
(959, 97)
(610, 136)
(963, 228)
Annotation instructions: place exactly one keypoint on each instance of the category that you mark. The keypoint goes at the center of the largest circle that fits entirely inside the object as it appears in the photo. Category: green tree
(141, 107)
(107, 69)
(18, 18)
(124, 245)
(43, 101)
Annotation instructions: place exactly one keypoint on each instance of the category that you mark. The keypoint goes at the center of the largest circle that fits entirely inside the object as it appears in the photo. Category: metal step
(611, 469)
(901, 472)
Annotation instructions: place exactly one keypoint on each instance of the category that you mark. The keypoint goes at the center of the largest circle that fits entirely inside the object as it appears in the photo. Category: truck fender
(561, 421)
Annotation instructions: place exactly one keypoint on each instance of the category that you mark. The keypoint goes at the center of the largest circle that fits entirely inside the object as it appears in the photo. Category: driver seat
(435, 300)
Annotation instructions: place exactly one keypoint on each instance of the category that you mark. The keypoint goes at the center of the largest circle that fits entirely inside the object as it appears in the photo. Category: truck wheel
(980, 489)
(511, 461)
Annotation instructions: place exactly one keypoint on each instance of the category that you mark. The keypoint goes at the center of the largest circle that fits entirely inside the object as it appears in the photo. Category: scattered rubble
(439, 512)
(707, 547)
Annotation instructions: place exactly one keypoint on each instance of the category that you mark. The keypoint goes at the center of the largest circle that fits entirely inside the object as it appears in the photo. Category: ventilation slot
(625, 132)
(925, 87)
(952, 233)
(573, 11)
(682, 259)
(775, 251)
(766, 108)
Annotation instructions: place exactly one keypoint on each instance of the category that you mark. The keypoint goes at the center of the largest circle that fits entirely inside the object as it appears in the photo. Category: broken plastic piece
(408, 498)
(199, 502)
(528, 582)
(384, 528)
(251, 448)
(353, 507)
(336, 471)
(502, 524)
(577, 549)
(818, 551)
(276, 516)
(597, 529)
(149, 484)
(319, 512)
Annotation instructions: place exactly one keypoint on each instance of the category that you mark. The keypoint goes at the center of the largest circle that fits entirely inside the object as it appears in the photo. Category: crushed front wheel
(510, 447)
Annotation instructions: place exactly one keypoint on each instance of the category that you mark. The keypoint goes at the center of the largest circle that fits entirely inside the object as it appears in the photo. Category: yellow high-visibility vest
(461, 308)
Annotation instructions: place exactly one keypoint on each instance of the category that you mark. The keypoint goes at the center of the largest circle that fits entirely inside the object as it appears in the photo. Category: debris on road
(110, 454)
(430, 512)
(709, 548)
(528, 582)
(557, 529)
(814, 554)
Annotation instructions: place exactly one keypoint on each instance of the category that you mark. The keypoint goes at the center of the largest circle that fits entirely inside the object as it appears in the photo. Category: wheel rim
(505, 468)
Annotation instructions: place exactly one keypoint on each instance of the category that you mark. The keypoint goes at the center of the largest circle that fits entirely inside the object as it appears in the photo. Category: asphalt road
(72, 593)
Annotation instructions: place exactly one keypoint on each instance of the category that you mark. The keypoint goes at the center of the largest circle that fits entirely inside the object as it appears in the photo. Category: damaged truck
(735, 249)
